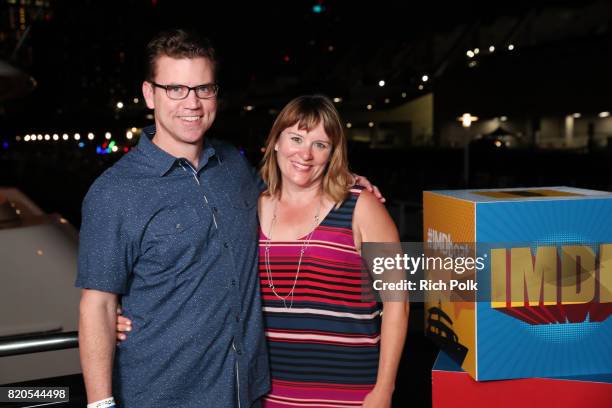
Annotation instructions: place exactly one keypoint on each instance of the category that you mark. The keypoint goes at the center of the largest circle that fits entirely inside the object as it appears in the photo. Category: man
(172, 229)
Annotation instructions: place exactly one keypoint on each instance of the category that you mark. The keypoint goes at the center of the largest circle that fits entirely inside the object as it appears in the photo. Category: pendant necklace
(305, 244)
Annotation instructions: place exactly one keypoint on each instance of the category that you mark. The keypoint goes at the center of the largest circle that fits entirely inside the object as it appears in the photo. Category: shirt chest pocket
(242, 201)
(173, 220)
(172, 234)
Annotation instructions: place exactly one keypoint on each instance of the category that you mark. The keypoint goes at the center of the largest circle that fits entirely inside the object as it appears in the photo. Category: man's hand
(364, 182)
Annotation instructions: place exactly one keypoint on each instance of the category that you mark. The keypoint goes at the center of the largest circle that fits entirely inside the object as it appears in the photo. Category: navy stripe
(316, 376)
(320, 324)
(315, 349)
(325, 357)
(281, 363)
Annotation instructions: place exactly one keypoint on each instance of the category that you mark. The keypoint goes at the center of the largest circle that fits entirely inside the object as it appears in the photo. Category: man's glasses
(178, 92)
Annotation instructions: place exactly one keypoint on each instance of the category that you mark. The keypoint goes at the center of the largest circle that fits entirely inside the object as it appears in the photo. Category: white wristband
(105, 403)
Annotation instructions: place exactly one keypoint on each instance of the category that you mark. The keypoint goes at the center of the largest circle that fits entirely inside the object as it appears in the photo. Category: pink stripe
(323, 287)
(304, 391)
(363, 304)
(308, 275)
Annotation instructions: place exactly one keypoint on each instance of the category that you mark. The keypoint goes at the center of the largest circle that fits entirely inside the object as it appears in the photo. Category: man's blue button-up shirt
(179, 244)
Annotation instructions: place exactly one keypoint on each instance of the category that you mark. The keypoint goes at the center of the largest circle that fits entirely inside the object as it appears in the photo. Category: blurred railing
(38, 343)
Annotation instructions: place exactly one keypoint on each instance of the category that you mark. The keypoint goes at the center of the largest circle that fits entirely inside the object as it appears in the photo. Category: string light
(466, 119)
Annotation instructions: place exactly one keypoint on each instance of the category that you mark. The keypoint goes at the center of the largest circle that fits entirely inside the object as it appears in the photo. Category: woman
(326, 342)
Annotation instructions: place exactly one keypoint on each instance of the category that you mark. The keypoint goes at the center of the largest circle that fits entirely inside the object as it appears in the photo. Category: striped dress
(324, 349)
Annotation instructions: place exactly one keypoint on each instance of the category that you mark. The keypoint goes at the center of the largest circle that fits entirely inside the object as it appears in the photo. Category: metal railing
(38, 343)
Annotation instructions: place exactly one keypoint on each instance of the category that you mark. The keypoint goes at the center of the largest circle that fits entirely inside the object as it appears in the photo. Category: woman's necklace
(302, 250)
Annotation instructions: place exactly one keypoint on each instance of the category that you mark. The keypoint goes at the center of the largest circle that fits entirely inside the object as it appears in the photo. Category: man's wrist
(105, 403)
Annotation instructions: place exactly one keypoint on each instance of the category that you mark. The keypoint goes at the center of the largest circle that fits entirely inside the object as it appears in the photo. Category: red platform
(453, 387)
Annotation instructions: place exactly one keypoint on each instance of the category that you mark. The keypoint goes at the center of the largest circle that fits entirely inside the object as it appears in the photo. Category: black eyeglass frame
(189, 89)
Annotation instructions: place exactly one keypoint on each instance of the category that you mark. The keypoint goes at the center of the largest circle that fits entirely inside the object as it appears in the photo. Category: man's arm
(97, 321)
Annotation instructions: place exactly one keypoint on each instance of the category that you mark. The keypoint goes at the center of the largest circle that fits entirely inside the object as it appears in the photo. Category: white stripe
(321, 312)
(314, 404)
(350, 250)
(308, 336)
(308, 400)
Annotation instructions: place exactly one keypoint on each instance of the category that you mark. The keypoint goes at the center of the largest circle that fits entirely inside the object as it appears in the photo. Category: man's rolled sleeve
(105, 254)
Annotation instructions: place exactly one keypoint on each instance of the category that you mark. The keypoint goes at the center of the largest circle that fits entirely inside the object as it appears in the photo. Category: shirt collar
(163, 161)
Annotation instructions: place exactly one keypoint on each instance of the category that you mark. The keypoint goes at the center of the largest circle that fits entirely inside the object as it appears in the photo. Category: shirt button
(233, 282)
(226, 245)
(238, 351)
(237, 318)
(215, 209)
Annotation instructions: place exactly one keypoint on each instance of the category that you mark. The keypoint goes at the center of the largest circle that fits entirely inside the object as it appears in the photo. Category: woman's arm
(372, 223)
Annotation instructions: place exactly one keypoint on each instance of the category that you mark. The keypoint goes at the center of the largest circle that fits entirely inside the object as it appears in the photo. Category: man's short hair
(178, 43)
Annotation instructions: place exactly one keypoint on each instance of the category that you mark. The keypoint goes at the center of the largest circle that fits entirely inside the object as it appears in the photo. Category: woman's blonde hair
(308, 111)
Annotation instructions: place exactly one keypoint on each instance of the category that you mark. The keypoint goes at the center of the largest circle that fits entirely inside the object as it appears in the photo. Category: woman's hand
(378, 398)
(124, 325)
